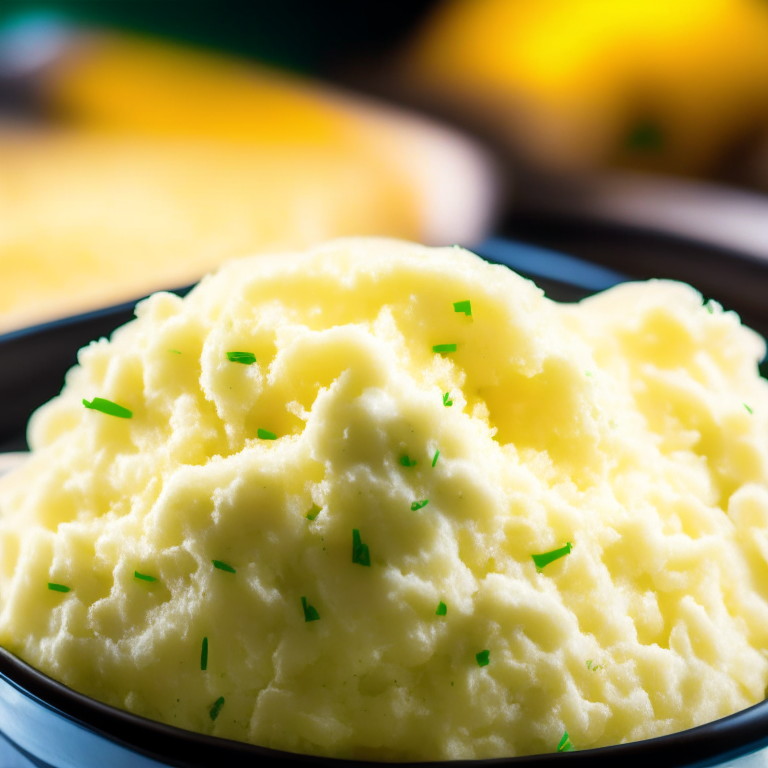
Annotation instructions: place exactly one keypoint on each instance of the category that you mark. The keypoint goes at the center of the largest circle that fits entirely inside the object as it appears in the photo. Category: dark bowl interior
(32, 365)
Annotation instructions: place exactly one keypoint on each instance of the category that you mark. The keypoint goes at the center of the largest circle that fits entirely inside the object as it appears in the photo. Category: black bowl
(56, 727)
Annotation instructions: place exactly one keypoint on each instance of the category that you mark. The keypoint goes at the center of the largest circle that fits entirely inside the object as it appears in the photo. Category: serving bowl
(55, 727)
(52, 726)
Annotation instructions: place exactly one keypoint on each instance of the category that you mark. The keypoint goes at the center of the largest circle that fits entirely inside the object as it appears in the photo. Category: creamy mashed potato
(359, 621)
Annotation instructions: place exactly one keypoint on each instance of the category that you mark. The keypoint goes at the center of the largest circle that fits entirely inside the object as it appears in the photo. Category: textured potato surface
(633, 426)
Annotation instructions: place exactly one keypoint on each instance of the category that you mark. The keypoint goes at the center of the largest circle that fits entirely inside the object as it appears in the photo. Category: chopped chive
(447, 402)
(589, 663)
(360, 553)
(174, 351)
(587, 373)
(548, 557)
(246, 358)
(58, 587)
(749, 410)
(310, 613)
(434, 460)
(444, 348)
(143, 576)
(265, 434)
(108, 407)
(204, 655)
(223, 566)
(463, 306)
(314, 512)
(565, 744)
(406, 462)
(419, 504)
(442, 609)
(710, 307)
(216, 708)
(483, 658)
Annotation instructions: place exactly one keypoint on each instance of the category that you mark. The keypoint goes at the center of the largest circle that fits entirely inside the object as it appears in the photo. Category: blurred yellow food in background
(140, 85)
(89, 220)
(166, 161)
(575, 84)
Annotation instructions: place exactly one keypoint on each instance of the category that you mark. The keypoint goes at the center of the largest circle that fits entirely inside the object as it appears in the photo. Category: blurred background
(142, 142)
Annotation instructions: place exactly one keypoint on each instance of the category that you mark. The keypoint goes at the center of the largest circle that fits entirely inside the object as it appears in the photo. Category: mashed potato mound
(632, 425)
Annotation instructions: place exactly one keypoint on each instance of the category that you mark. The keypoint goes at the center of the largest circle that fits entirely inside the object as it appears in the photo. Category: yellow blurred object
(134, 84)
(170, 161)
(577, 84)
(81, 225)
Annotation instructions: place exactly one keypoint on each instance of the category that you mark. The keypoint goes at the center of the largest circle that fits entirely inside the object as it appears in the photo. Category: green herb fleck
(143, 576)
(565, 744)
(360, 553)
(216, 708)
(310, 614)
(444, 348)
(223, 566)
(245, 358)
(419, 504)
(463, 306)
(58, 587)
(588, 373)
(442, 609)
(483, 658)
(434, 460)
(645, 136)
(204, 656)
(710, 307)
(314, 512)
(749, 410)
(406, 462)
(108, 407)
(265, 434)
(174, 351)
(447, 402)
(595, 668)
(548, 557)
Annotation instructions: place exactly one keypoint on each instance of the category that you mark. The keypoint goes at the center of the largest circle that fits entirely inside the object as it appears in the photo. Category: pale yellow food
(632, 425)
(89, 220)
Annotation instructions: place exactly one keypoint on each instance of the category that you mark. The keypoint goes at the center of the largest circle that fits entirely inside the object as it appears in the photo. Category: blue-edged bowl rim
(711, 744)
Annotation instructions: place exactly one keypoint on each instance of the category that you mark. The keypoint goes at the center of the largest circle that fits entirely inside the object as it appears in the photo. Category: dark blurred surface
(298, 34)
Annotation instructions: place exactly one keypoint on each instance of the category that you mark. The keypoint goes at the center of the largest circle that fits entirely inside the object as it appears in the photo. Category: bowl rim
(709, 744)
